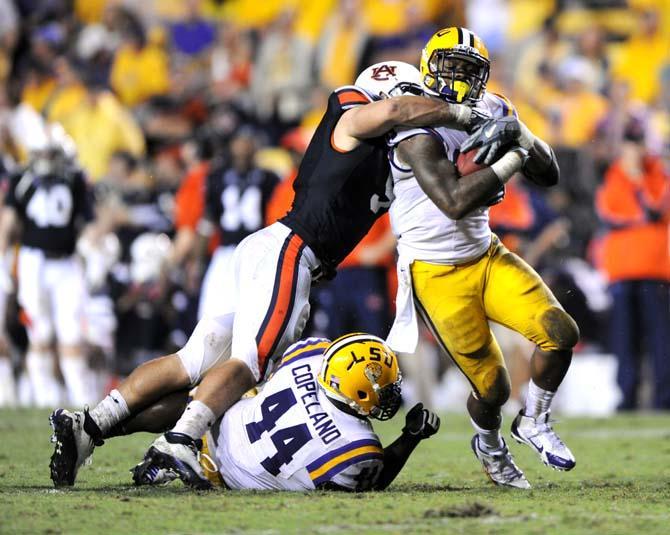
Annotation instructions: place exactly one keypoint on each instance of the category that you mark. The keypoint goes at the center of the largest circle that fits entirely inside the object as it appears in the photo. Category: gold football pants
(456, 302)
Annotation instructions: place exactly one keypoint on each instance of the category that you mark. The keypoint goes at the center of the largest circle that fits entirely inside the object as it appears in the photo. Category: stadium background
(152, 94)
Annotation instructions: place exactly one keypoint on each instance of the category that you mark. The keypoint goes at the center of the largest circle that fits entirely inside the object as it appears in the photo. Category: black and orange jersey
(52, 207)
(339, 194)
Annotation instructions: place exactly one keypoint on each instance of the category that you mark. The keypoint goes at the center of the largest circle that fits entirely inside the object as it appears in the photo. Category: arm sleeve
(354, 466)
(361, 476)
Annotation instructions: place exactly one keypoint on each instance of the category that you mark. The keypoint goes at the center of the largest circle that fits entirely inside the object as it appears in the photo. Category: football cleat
(147, 473)
(175, 453)
(541, 437)
(499, 466)
(73, 444)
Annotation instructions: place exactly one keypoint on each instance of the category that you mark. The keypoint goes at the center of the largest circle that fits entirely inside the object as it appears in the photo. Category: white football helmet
(390, 79)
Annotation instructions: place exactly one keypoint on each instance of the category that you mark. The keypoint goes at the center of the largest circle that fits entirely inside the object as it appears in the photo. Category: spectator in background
(281, 75)
(101, 126)
(140, 68)
(643, 56)
(9, 26)
(590, 45)
(231, 62)
(634, 203)
(195, 34)
(68, 94)
(38, 86)
(579, 109)
(342, 45)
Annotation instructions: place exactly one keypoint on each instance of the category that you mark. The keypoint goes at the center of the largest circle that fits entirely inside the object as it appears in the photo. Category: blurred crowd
(189, 119)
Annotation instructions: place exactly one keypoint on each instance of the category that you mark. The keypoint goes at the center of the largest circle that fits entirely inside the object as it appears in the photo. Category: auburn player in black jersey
(50, 200)
(341, 188)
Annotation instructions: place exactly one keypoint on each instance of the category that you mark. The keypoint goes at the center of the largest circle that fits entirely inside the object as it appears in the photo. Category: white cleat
(499, 466)
(541, 437)
(73, 445)
(172, 454)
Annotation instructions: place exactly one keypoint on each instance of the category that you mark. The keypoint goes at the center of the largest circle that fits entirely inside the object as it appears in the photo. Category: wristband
(526, 137)
(506, 166)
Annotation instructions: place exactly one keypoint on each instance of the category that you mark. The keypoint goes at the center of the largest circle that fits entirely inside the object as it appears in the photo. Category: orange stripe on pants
(282, 300)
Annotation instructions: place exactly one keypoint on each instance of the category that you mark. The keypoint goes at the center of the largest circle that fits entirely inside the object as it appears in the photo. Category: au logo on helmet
(383, 72)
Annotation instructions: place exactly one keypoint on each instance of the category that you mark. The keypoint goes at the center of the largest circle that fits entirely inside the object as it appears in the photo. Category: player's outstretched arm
(377, 118)
(420, 424)
(438, 178)
(541, 166)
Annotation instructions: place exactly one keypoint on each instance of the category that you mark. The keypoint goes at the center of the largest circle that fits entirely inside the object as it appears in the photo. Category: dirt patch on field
(468, 510)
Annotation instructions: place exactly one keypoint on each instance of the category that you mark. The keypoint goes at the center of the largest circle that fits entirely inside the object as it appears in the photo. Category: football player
(309, 427)
(457, 275)
(50, 199)
(342, 187)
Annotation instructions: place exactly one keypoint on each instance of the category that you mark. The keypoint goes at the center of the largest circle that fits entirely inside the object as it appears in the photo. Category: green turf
(621, 485)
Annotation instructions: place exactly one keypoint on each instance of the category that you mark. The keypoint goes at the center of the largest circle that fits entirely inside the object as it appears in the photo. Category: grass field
(621, 485)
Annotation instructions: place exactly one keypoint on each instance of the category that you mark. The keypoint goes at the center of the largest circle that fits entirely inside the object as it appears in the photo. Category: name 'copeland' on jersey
(292, 437)
(423, 231)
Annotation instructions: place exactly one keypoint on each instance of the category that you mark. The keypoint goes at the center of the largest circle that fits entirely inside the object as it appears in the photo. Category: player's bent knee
(561, 329)
(495, 387)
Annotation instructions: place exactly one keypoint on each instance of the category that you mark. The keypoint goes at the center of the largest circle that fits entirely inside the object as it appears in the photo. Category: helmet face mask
(455, 66)
(361, 371)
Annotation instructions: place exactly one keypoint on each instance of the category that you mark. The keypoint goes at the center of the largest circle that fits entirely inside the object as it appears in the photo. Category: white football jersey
(291, 437)
(422, 230)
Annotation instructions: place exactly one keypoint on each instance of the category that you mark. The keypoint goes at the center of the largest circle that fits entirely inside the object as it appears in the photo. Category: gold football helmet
(455, 65)
(361, 371)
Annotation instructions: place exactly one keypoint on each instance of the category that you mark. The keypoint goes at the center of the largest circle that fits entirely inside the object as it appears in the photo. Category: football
(465, 163)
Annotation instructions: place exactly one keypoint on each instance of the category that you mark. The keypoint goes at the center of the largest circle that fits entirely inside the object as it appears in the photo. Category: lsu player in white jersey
(457, 275)
(308, 428)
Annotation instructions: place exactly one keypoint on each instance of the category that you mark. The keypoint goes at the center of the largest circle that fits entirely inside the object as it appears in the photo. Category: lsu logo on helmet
(455, 65)
(361, 371)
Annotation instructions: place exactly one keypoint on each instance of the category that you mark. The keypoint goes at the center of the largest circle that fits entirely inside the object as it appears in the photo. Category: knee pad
(561, 329)
(494, 387)
(209, 344)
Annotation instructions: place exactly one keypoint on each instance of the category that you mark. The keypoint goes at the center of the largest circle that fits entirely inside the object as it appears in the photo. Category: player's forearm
(457, 197)
(395, 457)
(421, 111)
(541, 167)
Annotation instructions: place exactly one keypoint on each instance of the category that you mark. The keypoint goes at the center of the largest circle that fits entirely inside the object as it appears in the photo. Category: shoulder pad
(499, 105)
(351, 95)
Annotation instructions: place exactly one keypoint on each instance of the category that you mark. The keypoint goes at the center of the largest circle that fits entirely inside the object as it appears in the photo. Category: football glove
(421, 422)
(492, 136)
(477, 119)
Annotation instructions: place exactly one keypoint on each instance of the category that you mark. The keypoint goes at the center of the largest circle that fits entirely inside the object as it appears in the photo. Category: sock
(489, 439)
(195, 421)
(46, 389)
(77, 376)
(110, 411)
(538, 400)
(7, 384)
